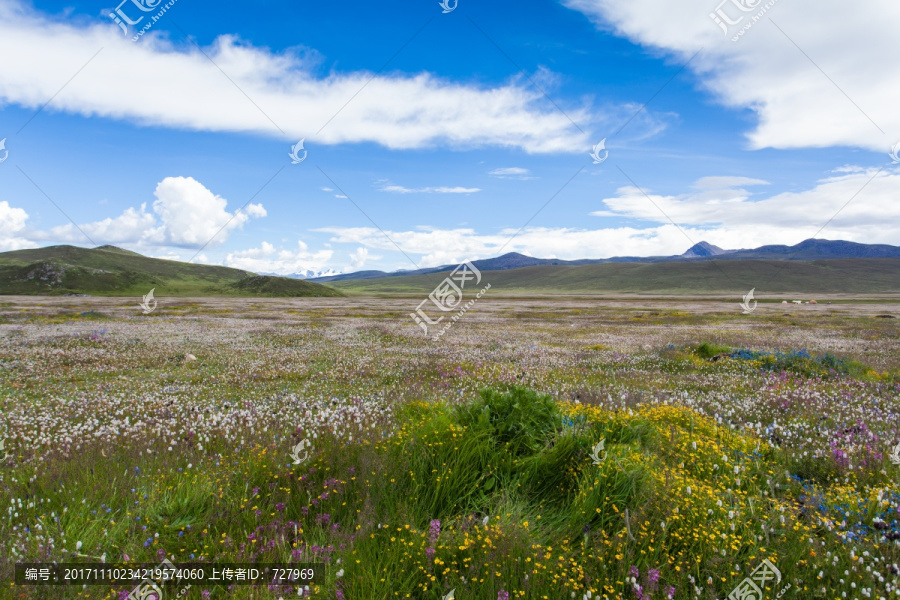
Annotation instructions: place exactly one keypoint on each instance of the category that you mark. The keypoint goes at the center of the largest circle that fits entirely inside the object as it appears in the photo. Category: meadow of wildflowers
(463, 465)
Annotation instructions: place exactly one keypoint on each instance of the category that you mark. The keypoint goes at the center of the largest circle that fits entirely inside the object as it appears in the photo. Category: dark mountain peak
(703, 249)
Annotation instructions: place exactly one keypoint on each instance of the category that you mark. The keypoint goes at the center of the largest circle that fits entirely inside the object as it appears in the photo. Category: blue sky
(481, 117)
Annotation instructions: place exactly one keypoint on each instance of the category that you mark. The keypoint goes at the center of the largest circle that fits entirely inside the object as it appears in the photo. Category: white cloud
(156, 82)
(359, 258)
(399, 189)
(12, 226)
(721, 182)
(796, 104)
(185, 214)
(511, 173)
(268, 259)
(864, 208)
(192, 215)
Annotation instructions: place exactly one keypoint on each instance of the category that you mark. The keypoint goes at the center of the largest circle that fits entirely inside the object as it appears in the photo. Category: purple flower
(670, 592)
(205, 594)
(502, 595)
(633, 572)
(653, 579)
(434, 531)
(280, 507)
(323, 518)
(429, 553)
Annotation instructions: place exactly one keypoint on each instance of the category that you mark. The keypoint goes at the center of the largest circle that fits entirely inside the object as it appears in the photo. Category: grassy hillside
(111, 271)
(857, 275)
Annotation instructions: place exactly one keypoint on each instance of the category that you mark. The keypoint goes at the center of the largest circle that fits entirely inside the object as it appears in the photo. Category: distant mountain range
(112, 271)
(814, 265)
(811, 249)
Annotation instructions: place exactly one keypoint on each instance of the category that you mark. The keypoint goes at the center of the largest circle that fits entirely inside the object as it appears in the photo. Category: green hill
(851, 276)
(111, 271)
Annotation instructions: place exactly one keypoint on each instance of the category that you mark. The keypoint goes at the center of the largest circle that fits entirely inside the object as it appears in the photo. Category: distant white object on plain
(189, 358)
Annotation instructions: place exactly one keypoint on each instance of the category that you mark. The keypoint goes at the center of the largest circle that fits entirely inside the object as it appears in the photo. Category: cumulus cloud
(193, 215)
(185, 214)
(359, 258)
(155, 82)
(267, 259)
(399, 189)
(797, 105)
(12, 226)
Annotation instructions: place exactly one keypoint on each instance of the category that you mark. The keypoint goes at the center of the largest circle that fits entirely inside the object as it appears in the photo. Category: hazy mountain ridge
(811, 249)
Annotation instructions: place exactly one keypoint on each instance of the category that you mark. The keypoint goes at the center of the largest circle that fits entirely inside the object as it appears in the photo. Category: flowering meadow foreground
(472, 465)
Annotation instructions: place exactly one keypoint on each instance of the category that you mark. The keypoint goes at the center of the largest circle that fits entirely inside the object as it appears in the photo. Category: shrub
(520, 419)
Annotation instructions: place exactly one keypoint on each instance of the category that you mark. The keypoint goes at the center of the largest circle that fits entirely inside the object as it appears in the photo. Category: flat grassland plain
(728, 439)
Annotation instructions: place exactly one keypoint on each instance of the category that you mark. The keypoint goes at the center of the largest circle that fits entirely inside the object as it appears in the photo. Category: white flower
(340, 573)
(77, 546)
(485, 520)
